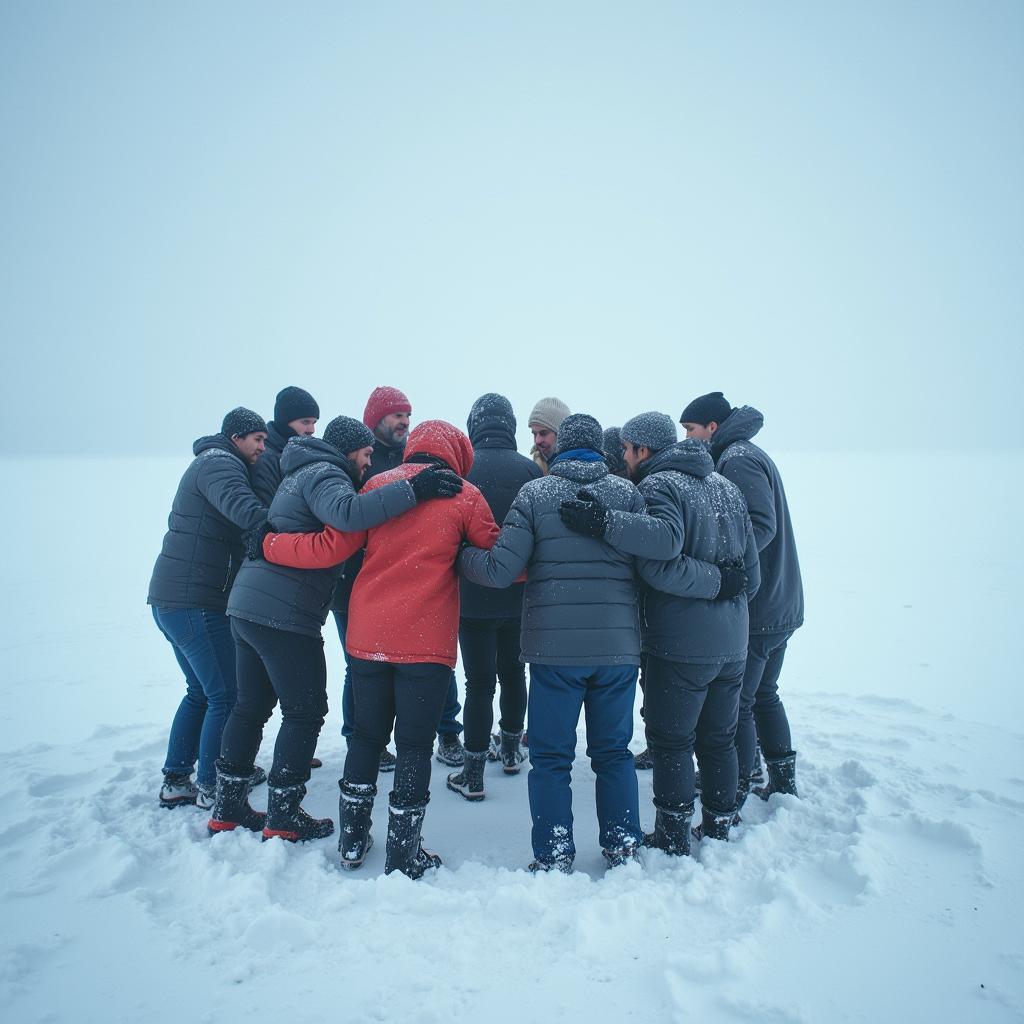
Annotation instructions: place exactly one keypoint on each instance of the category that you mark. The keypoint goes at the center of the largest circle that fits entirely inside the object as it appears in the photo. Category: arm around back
(321, 550)
(506, 560)
(332, 498)
(656, 533)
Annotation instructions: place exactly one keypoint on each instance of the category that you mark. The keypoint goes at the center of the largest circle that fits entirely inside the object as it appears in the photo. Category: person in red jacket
(402, 639)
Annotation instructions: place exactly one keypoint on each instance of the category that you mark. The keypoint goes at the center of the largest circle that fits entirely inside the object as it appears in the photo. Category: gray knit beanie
(613, 450)
(242, 421)
(580, 431)
(348, 435)
(654, 430)
(548, 413)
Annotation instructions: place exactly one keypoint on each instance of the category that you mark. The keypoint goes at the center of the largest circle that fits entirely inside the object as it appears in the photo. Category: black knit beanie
(709, 408)
(294, 404)
(242, 421)
(348, 435)
(579, 430)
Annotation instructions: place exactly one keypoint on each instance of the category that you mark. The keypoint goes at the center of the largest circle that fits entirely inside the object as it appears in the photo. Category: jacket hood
(443, 441)
(580, 472)
(301, 451)
(225, 444)
(690, 456)
(740, 425)
(491, 422)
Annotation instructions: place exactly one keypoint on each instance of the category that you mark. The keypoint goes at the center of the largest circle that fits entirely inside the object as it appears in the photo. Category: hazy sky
(815, 207)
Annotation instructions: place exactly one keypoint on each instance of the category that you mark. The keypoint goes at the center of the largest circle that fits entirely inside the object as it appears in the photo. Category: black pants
(762, 716)
(693, 709)
(490, 656)
(409, 699)
(273, 665)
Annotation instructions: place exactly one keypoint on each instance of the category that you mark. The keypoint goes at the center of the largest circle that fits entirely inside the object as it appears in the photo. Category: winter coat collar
(580, 472)
(492, 434)
(690, 456)
(278, 437)
(219, 441)
(578, 455)
(740, 425)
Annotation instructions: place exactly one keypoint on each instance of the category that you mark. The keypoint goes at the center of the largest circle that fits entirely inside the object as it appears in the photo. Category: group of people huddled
(611, 557)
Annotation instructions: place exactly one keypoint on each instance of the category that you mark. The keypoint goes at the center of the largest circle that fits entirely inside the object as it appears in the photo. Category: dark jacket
(202, 549)
(679, 621)
(384, 458)
(580, 601)
(779, 604)
(499, 471)
(319, 488)
(266, 474)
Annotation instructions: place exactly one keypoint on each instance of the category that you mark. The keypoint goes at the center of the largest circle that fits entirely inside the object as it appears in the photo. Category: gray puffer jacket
(680, 622)
(580, 600)
(318, 488)
(779, 604)
(202, 549)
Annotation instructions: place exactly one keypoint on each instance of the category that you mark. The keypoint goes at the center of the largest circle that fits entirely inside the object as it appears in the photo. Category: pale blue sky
(817, 208)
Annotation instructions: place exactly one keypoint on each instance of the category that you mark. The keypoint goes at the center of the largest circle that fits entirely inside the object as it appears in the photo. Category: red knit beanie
(383, 402)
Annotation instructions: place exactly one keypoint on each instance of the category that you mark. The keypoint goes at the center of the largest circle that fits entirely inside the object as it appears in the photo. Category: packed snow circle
(884, 888)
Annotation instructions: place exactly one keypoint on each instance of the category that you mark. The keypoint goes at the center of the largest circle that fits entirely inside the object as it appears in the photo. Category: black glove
(253, 540)
(435, 482)
(734, 580)
(585, 514)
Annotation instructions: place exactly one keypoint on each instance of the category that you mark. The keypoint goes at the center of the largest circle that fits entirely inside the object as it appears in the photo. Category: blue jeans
(449, 717)
(556, 695)
(205, 651)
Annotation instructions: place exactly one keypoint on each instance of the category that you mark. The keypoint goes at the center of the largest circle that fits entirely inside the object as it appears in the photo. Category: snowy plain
(891, 890)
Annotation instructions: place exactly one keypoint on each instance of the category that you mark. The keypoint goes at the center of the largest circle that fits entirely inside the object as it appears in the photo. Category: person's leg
(556, 697)
(511, 675)
(609, 702)
(373, 694)
(746, 733)
(478, 642)
(420, 693)
(715, 744)
(243, 732)
(769, 714)
(347, 706)
(449, 724)
(183, 742)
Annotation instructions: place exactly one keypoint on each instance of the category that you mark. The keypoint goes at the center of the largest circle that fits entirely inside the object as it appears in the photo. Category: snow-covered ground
(890, 891)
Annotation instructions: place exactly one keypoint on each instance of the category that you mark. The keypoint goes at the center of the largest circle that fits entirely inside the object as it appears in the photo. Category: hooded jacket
(679, 621)
(580, 600)
(405, 602)
(319, 487)
(202, 549)
(499, 471)
(779, 604)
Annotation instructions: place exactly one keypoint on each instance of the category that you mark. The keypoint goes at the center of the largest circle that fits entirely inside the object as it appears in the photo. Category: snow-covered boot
(494, 747)
(781, 776)
(562, 864)
(643, 762)
(449, 749)
(178, 789)
(405, 852)
(512, 755)
(231, 808)
(287, 820)
(757, 772)
(470, 781)
(671, 832)
(742, 792)
(714, 824)
(355, 807)
(625, 854)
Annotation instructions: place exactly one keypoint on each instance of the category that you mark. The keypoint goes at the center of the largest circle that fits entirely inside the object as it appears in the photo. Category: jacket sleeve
(321, 550)
(682, 576)
(656, 534)
(750, 477)
(751, 562)
(480, 529)
(502, 565)
(224, 483)
(333, 500)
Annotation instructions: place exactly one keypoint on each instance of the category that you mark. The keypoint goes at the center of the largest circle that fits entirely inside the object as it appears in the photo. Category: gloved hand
(585, 514)
(435, 482)
(253, 540)
(734, 580)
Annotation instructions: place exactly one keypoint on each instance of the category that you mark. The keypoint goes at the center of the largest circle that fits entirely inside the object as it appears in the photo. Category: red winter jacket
(405, 602)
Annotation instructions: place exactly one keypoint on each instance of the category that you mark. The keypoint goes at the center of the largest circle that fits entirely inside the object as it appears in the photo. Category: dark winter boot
(757, 772)
(231, 808)
(178, 790)
(354, 809)
(742, 792)
(714, 825)
(671, 832)
(405, 852)
(643, 762)
(450, 750)
(781, 776)
(512, 755)
(563, 865)
(625, 854)
(470, 781)
(494, 747)
(287, 820)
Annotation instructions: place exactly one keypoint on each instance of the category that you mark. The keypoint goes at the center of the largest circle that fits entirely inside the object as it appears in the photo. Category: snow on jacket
(319, 487)
(499, 471)
(266, 474)
(680, 622)
(580, 601)
(779, 604)
(202, 549)
(405, 602)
